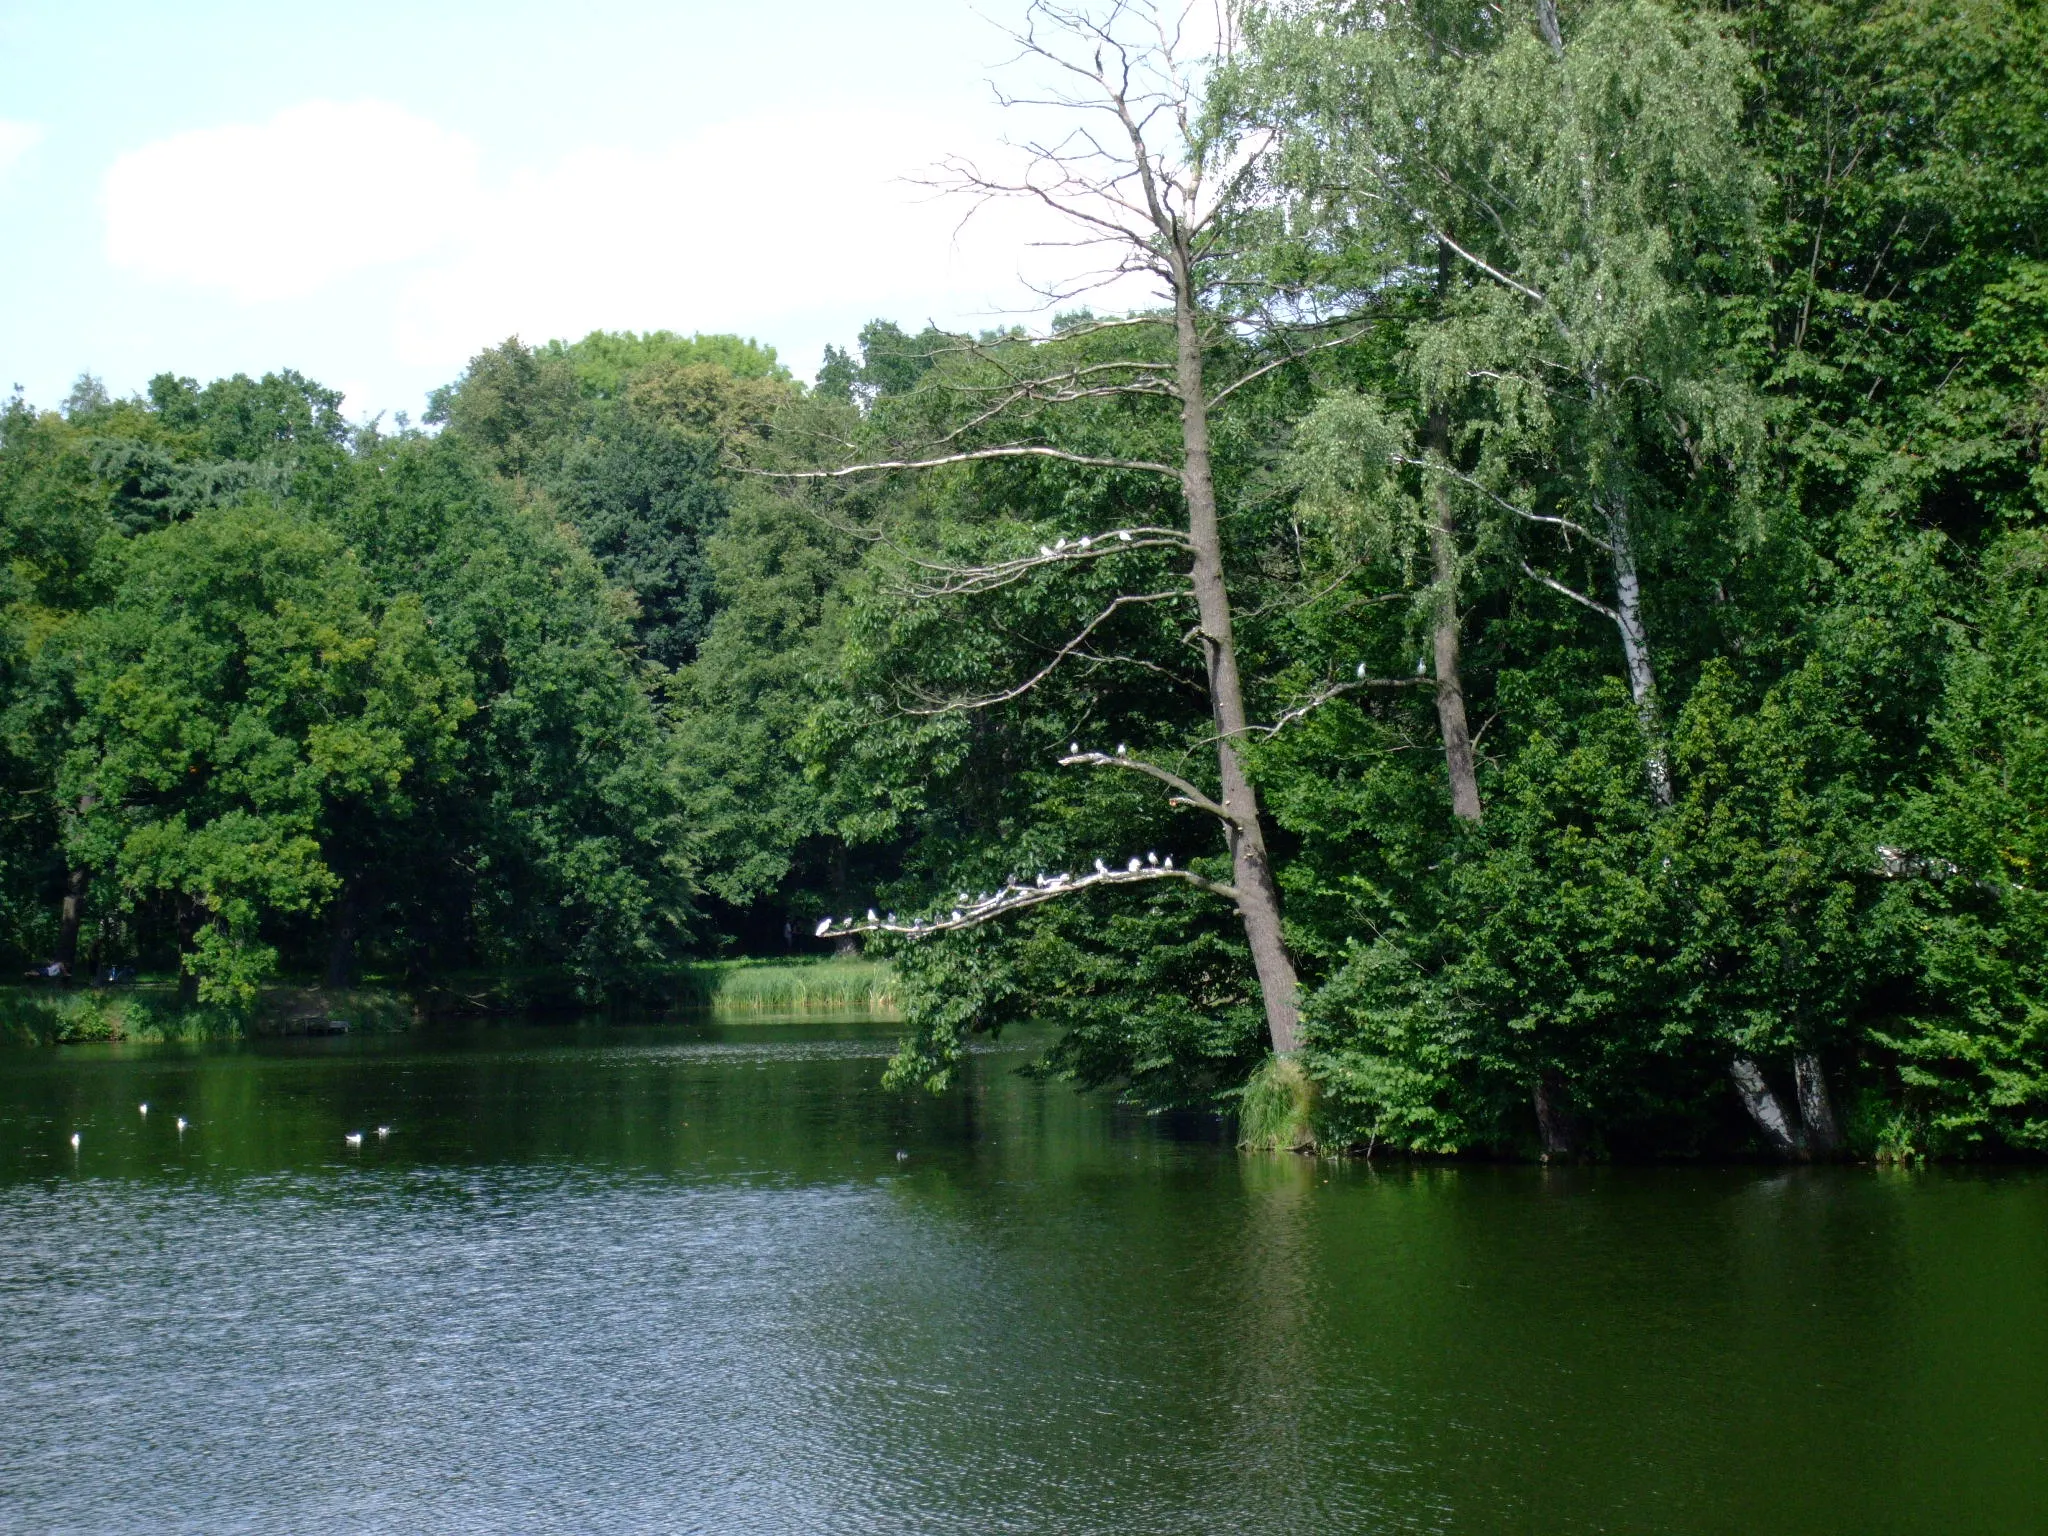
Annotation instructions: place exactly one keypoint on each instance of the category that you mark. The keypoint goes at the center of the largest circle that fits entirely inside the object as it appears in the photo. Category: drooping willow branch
(1015, 896)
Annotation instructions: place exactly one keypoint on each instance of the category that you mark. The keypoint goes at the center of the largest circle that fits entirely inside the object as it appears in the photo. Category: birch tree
(1580, 203)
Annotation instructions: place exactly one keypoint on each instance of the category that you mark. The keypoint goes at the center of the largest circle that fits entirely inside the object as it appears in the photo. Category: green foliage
(564, 836)
(605, 362)
(153, 1014)
(515, 407)
(240, 694)
(765, 667)
(1723, 332)
(1973, 1045)
(646, 501)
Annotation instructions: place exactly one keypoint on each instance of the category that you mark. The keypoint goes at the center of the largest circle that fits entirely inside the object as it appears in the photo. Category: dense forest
(1537, 644)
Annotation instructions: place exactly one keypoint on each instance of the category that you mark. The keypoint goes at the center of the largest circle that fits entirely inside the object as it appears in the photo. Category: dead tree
(1147, 192)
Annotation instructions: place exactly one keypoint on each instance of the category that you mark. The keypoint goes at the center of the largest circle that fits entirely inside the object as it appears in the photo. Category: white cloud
(277, 210)
(16, 140)
(746, 224)
(775, 226)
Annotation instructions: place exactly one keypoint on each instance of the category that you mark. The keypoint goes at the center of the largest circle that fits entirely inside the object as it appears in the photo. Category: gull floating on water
(144, 1108)
(383, 1131)
(354, 1138)
(74, 1141)
(181, 1125)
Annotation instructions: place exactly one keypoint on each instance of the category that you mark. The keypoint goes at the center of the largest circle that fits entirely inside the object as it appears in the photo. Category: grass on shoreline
(769, 986)
(150, 1013)
(722, 986)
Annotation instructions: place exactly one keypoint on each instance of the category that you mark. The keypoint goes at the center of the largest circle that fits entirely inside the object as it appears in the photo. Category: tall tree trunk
(1258, 897)
(1816, 1108)
(1546, 23)
(341, 942)
(1763, 1105)
(71, 913)
(1635, 645)
(1555, 1123)
(69, 916)
(188, 931)
(1450, 685)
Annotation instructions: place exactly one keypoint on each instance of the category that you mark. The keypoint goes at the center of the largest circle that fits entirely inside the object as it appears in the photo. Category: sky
(373, 193)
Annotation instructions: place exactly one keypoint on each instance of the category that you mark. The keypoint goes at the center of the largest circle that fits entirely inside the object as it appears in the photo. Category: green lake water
(713, 1278)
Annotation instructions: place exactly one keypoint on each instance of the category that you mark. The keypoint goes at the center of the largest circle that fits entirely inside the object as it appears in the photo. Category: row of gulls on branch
(1014, 893)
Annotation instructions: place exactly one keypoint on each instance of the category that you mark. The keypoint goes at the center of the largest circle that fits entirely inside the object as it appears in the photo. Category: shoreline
(149, 1012)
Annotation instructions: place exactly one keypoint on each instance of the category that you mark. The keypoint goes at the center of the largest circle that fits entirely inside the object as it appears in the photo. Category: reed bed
(818, 986)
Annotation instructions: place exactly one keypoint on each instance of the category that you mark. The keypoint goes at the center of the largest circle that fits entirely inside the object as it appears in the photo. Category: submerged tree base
(1277, 1111)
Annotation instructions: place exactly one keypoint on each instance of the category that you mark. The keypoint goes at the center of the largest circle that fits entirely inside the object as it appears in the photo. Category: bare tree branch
(1495, 273)
(1027, 388)
(1185, 793)
(1293, 356)
(1438, 467)
(1069, 649)
(1013, 451)
(968, 580)
(1578, 597)
(1016, 896)
(1179, 679)
(1323, 696)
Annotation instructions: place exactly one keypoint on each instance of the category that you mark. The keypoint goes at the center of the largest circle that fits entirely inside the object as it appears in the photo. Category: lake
(674, 1277)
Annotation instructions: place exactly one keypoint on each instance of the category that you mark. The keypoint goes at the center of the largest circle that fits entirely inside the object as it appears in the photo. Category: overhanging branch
(1578, 597)
(1014, 451)
(1185, 793)
(967, 580)
(1015, 896)
(1323, 696)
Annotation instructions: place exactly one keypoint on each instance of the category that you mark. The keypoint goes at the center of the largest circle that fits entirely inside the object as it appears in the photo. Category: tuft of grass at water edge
(1276, 1111)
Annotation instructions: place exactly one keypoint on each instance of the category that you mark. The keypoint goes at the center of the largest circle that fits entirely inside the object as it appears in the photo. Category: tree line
(1536, 641)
